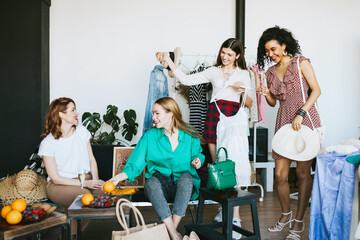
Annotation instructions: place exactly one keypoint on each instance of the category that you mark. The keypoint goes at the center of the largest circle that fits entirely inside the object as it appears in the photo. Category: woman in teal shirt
(171, 153)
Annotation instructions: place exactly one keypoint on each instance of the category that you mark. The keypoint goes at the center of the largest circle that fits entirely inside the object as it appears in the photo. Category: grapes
(103, 201)
(31, 213)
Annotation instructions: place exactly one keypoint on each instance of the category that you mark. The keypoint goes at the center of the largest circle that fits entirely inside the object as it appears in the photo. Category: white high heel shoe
(294, 234)
(279, 226)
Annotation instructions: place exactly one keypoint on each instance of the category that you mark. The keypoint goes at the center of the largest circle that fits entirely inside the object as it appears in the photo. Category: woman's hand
(162, 56)
(238, 86)
(263, 90)
(196, 163)
(93, 184)
(115, 180)
(118, 178)
(296, 123)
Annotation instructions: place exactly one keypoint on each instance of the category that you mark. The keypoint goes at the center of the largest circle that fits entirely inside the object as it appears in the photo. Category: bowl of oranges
(19, 212)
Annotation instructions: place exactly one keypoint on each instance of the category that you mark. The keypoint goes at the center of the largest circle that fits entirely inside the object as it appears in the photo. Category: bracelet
(301, 112)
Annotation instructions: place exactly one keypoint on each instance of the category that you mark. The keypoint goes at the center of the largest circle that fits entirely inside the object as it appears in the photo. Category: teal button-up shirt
(154, 152)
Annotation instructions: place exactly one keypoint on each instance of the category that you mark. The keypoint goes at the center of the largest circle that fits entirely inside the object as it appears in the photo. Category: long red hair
(53, 120)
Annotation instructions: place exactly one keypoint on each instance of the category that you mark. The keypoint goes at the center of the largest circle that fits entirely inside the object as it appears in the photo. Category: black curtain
(24, 79)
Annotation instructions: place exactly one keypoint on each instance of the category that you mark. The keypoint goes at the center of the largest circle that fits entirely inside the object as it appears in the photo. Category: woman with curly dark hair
(283, 83)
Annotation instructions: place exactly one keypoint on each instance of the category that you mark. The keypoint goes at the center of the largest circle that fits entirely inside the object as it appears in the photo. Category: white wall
(329, 35)
(102, 52)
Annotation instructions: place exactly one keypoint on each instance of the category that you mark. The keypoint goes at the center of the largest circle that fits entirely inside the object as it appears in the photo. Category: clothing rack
(199, 55)
(195, 57)
(255, 184)
(251, 61)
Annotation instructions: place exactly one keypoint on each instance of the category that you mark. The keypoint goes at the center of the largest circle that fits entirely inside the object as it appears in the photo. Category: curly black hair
(282, 35)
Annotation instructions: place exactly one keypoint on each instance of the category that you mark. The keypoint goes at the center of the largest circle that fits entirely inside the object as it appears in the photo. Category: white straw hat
(302, 145)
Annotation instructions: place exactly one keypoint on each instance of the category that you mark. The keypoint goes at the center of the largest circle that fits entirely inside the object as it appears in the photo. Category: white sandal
(294, 234)
(279, 226)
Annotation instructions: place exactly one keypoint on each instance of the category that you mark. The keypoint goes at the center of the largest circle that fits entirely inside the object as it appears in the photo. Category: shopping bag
(221, 174)
(140, 231)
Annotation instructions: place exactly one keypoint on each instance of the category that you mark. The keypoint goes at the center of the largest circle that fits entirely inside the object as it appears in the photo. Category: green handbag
(221, 174)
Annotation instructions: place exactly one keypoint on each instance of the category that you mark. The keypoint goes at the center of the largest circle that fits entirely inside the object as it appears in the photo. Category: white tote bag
(141, 231)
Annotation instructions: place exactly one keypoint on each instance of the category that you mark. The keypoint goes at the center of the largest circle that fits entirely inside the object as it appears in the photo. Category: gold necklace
(227, 74)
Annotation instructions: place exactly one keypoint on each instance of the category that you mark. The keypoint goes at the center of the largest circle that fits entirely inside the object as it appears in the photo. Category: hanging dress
(232, 134)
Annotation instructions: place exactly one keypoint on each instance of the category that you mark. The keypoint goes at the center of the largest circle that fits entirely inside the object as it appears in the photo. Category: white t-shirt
(215, 76)
(70, 153)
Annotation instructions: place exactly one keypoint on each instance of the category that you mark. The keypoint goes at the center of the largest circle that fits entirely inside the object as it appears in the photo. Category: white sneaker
(237, 222)
(218, 217)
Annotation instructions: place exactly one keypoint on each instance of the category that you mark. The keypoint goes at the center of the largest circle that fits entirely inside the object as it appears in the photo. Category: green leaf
(106, 138)
(111, 118)
(91, 121)
(130, 116)
(129, 130)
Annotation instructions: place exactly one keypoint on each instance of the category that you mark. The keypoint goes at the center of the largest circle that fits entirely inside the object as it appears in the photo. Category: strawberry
(41, 214)
(35, 211)
(108, 203)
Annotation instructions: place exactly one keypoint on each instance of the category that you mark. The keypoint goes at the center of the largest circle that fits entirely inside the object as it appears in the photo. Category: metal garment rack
(255, 184)
(251, 61)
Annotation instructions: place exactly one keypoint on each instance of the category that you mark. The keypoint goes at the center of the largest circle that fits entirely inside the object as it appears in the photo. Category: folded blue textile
(332, 197)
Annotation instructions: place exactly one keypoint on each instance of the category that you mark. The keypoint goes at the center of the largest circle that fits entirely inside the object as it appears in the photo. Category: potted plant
(103, 137)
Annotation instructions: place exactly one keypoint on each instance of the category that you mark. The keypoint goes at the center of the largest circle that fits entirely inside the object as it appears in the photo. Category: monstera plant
(110, 120)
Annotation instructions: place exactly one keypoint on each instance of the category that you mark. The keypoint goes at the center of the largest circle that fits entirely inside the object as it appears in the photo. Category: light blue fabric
(332, 197)
(158, 88)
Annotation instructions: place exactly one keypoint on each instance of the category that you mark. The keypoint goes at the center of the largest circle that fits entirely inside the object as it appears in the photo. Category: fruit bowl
(103, 201)
(31, 214)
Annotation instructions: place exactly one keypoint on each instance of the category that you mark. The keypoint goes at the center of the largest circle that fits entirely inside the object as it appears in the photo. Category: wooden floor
(269, 211)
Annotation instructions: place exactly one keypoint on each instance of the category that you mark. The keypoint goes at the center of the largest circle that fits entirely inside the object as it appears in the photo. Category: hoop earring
(284, 52)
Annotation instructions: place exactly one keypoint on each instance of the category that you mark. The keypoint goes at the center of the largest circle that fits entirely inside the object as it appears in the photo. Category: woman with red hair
(66, 151)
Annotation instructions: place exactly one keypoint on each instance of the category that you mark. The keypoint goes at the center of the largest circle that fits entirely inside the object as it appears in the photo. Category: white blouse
(71, 154)
(215, 76)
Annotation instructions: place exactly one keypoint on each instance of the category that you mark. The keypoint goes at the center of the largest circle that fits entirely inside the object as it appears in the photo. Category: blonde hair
(170, 105)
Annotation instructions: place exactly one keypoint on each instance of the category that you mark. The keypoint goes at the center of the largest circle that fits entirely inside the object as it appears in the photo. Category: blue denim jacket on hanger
(158, 88)
(332, 197)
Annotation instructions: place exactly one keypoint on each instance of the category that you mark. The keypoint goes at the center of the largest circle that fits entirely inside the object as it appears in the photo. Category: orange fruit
(14, 217)
(87, 198)
(5, 210)
(19, 204)
(109, 187)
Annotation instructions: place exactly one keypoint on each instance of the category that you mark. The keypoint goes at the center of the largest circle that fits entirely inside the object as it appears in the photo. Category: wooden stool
(228, 199)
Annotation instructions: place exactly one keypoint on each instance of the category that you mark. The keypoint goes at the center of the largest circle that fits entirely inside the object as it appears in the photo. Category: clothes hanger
(198, 63)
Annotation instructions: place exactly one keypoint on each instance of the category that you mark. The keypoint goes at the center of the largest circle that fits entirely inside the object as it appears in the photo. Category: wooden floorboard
(269, 211)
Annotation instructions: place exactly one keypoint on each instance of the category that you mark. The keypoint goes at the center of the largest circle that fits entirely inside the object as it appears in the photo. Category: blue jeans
(160, 190)
(158, 88)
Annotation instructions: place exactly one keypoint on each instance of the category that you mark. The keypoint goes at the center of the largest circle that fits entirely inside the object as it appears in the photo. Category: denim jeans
(160, 190)
(158, 88)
